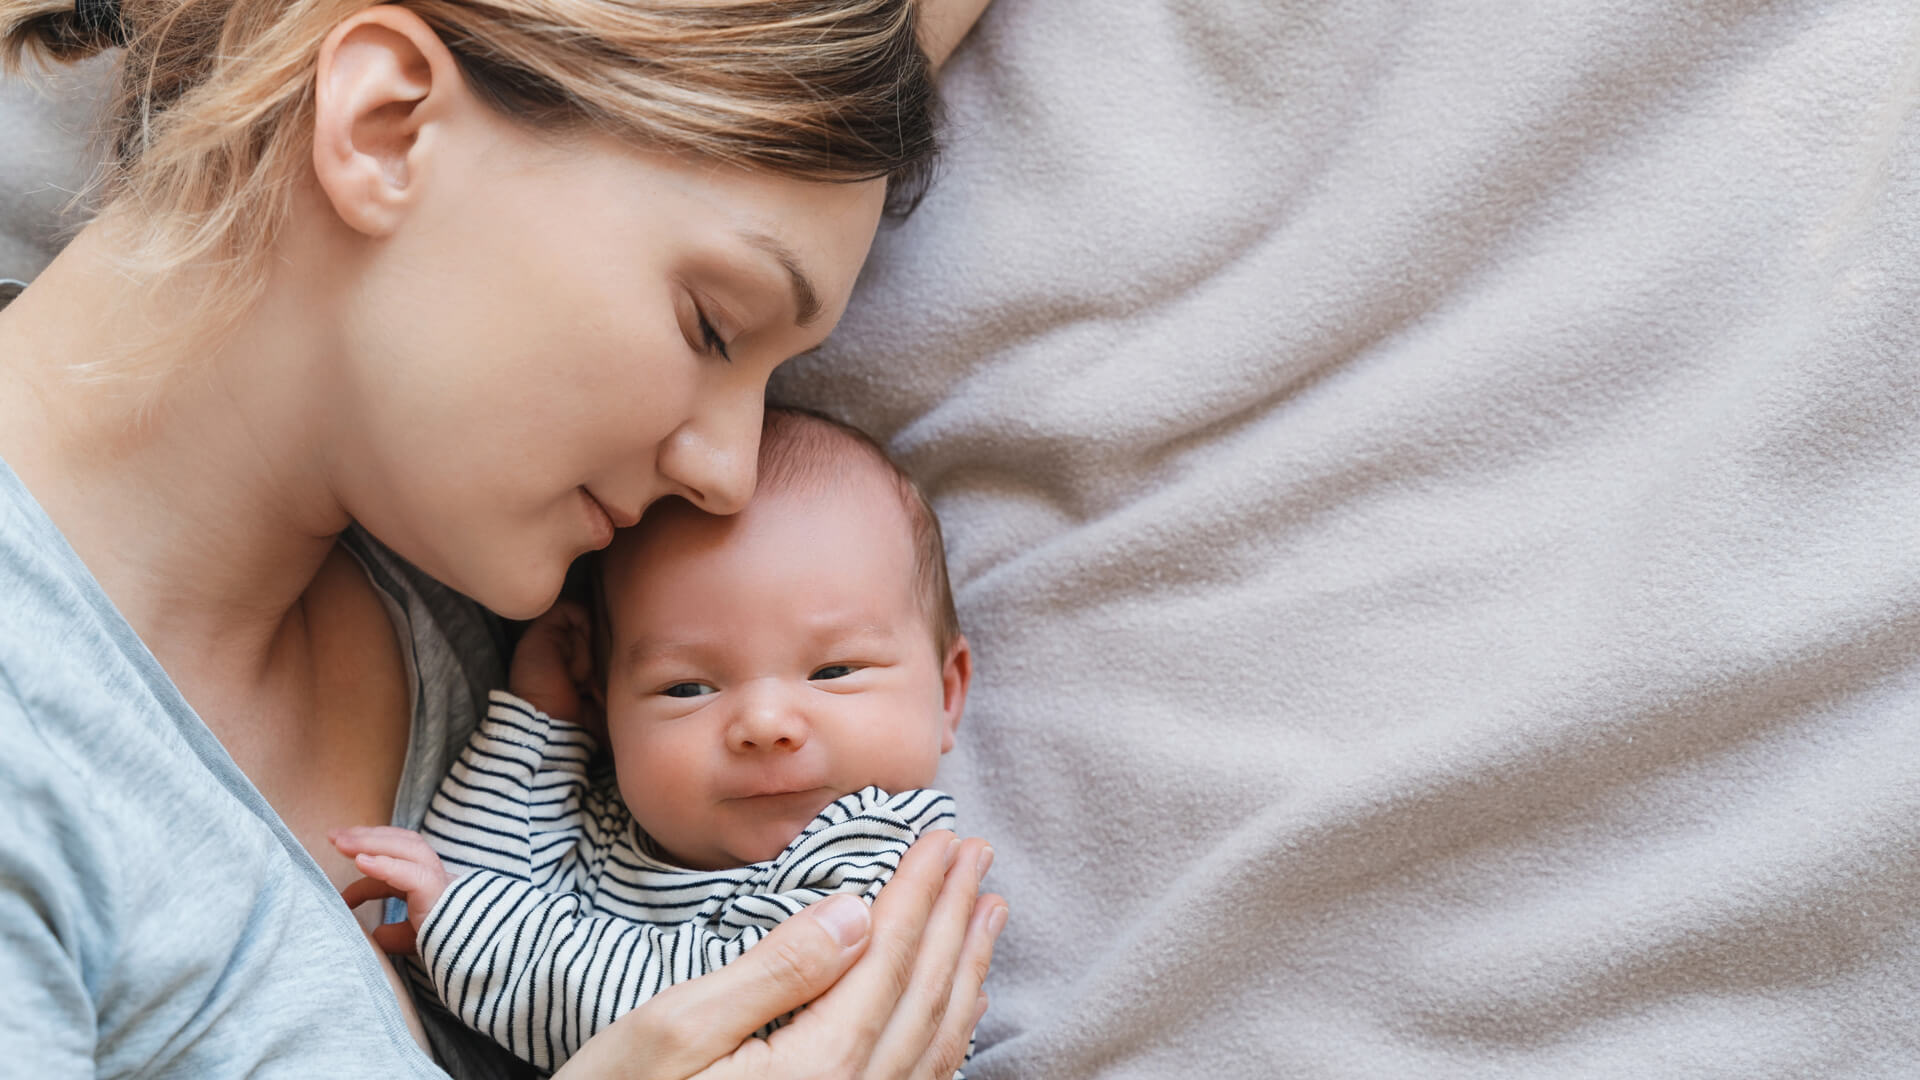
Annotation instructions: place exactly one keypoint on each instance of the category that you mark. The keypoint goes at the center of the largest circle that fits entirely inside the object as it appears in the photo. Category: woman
(466, 283)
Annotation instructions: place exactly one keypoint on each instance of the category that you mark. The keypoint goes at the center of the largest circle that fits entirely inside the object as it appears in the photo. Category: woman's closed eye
(710, 339)
(688, 689)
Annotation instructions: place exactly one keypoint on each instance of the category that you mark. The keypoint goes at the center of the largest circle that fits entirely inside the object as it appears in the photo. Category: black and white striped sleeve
(517, 799)
(852, 846)
(540, 969)
(540, 975)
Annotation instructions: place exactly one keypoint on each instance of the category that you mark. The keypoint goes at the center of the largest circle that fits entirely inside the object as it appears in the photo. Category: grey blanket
(1435, 491)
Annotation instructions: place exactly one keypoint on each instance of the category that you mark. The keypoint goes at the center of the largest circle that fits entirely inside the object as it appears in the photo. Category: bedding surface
(1435, 491)
(1435, 495)
(44, 138)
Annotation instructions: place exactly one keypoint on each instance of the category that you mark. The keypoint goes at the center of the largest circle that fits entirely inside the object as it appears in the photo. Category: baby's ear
(956, 674)
(593, 712)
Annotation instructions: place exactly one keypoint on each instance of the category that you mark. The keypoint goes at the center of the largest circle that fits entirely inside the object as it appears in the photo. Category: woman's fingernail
(953, 850)
(997, 921)
(845, 919)
(986, 859)
(979, 1009)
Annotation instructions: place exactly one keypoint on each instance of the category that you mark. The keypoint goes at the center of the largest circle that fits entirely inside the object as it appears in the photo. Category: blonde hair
(211, 124)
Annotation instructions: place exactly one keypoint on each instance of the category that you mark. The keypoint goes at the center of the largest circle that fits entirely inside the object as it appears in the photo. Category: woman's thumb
(798, 961)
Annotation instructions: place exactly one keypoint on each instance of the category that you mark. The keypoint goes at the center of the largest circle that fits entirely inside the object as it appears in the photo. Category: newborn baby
(766, 681)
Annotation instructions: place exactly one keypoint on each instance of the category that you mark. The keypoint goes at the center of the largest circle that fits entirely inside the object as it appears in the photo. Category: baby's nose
(766, 722)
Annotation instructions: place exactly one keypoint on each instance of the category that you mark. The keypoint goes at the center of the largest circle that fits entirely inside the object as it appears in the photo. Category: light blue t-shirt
(157, 919)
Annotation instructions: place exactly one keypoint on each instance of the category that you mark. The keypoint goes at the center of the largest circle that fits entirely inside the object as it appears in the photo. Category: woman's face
(556, 335)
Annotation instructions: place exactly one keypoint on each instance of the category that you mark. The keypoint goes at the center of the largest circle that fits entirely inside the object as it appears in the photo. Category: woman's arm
(891, 994)
(56, 890)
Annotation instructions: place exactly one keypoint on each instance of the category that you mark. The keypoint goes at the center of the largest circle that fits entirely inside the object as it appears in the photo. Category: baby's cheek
(654, 777)
(913, 765)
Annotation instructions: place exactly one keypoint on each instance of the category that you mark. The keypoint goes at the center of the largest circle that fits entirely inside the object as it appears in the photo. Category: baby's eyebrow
(827, 632)
(647, 651)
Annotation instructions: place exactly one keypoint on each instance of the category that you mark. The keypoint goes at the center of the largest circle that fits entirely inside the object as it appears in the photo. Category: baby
(766, 680)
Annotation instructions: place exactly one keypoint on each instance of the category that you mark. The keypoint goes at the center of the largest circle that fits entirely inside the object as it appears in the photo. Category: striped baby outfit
(566, 916)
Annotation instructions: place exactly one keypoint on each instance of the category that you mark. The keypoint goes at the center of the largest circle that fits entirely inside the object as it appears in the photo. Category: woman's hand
(889, 997)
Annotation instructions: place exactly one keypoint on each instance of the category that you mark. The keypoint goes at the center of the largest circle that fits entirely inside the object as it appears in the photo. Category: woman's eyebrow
(806, 301)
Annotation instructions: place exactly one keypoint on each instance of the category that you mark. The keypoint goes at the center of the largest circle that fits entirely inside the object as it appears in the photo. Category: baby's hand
(397, 862)
(553, 665)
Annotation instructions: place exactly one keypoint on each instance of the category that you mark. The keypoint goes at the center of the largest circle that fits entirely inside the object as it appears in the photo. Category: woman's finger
(847, 1023)
(860, 1006)
(688, 1027)
(966, 1002)
(917, 1020)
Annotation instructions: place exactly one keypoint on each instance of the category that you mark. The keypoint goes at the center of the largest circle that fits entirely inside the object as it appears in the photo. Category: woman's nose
(713, 458)
(765, 721)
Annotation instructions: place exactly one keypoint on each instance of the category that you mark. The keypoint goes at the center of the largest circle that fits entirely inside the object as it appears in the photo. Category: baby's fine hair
(801, 448)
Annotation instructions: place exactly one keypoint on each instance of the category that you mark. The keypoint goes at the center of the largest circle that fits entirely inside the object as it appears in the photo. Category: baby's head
(759, 666)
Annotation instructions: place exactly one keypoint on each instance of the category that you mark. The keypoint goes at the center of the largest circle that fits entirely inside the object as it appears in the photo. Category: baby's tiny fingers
(406, 875)
(383, 840)
(397, 938)
(367, 889)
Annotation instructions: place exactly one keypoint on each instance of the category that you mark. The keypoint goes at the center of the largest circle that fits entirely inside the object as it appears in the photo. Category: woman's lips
(604, 519)
(622, 519)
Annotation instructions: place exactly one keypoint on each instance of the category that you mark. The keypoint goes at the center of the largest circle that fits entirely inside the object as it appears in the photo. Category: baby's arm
(519, 799)
(526, 967)
(540, 976)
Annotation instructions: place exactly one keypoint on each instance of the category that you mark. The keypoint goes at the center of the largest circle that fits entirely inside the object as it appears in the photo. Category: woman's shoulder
(52, 600)
(71, 669)
(144, 883)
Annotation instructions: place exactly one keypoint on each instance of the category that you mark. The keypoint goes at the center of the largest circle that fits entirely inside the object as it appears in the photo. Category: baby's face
(765, 664)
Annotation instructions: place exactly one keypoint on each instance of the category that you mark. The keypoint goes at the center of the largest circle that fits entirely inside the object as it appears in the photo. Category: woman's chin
(518, 596)
(522, 609)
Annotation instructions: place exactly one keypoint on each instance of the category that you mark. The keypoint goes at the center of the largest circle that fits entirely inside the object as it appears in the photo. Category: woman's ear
(956, 674)
(385, 88)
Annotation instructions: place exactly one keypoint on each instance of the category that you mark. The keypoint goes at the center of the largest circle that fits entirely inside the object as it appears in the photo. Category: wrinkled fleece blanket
(1435, 494)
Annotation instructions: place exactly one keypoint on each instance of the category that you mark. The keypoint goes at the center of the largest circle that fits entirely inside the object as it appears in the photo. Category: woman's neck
(197, 497)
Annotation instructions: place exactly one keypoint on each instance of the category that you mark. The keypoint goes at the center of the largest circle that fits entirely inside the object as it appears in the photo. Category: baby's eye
(689, 689)
(833, 671)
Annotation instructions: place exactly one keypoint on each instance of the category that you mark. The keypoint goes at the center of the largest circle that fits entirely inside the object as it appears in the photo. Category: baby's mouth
(777, 792)
(781, 802)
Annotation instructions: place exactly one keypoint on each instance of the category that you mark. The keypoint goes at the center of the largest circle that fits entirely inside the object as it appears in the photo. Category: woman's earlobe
(383, 79)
